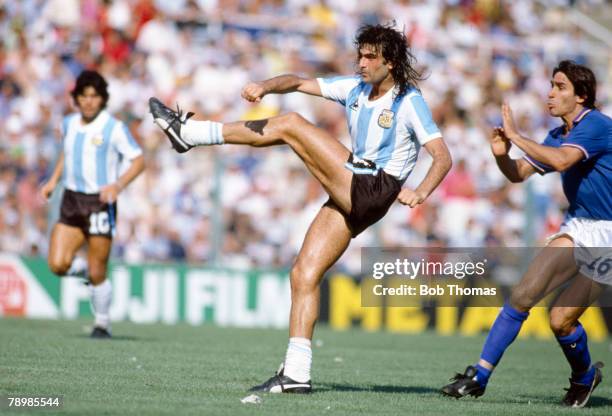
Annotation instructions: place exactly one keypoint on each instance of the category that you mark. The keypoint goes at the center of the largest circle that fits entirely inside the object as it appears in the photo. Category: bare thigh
(323, 155)
(65, 242)
(327, 238)
(553, 266)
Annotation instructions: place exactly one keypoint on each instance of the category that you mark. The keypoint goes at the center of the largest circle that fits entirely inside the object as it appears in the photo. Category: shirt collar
(95, 123)
(577, 119)
(580, 116)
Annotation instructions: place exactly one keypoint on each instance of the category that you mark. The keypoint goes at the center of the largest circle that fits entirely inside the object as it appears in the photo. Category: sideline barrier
(174, 293)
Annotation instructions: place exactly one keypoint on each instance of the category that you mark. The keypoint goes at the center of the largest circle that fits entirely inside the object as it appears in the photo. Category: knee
(97, 272)
(561, 324)
(303, 281)
(292, 122)
(58, 265)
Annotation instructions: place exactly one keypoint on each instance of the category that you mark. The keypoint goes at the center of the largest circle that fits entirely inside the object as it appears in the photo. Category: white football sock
(298, 359)
(101, 296)
(198, 133)
(78, 268)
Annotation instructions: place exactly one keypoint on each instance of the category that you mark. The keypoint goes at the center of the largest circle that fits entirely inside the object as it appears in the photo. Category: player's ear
(580, 100)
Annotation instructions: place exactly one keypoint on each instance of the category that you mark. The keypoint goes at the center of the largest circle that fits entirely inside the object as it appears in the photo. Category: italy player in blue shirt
(581, 149)
(388, 122)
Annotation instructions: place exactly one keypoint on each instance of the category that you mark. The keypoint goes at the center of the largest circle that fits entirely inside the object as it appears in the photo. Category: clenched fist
(411, 198)
(47, 189)
(253, 92)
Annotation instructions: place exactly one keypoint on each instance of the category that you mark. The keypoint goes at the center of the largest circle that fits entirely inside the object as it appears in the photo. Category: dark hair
(394, 48)
(93, 79)
(583, 80)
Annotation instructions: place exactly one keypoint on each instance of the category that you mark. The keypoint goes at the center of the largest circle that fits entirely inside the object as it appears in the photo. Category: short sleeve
(420, 119)
(591, 136)
(540, 167)
(338, 88)
(124, 142)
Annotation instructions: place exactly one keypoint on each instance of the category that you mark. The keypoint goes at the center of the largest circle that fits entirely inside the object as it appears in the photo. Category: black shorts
(88, 213)
(371, 198)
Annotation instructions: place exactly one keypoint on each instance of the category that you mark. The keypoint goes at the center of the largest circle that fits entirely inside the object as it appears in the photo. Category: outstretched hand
(510, 130)
(253, 92)
(500, 144)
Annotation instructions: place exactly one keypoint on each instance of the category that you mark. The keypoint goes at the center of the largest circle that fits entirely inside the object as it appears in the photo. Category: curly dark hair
(394, 48)
(93, 79)
(583, 80)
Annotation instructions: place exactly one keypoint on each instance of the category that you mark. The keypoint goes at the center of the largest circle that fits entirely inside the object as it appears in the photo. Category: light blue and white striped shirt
(388, 131)
(93, 152)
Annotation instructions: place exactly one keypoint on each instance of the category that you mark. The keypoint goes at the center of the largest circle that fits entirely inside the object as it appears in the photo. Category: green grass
(182, 370)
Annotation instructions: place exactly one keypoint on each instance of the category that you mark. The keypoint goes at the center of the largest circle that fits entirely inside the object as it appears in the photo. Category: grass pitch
(184, 370)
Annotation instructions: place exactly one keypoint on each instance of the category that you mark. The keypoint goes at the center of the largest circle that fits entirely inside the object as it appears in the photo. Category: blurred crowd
(243, 207)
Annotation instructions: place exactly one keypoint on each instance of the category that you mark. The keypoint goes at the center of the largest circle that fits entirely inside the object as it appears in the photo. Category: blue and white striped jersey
(93, 152)
(388, 131)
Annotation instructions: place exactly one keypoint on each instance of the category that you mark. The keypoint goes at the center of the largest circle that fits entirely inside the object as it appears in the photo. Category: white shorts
(592, 246)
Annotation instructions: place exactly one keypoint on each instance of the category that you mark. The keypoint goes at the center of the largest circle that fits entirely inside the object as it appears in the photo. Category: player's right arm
(47, 188)
(516, 170)
(282, 84)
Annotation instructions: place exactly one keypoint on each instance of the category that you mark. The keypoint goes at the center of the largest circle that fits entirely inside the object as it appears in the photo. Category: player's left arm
(559, 158)
(125, 144)
(440, 166)
(110, 192)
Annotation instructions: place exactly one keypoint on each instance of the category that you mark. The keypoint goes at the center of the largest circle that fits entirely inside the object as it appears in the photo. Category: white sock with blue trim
(197, 133)
(298, 359)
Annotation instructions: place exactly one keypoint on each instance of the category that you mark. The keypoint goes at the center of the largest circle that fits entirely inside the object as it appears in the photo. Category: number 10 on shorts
(99, 223)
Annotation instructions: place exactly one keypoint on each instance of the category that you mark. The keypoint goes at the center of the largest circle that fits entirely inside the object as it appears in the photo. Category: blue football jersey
(588, 184)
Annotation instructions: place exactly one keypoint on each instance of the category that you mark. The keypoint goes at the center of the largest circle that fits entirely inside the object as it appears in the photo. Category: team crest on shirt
(385, 119)
(97, 140)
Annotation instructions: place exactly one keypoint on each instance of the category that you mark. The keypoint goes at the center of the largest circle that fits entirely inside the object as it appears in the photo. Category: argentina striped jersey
(93, 152)
(388, 131)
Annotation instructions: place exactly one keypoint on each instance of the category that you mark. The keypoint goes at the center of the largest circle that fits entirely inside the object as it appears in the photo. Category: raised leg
(322, 154)
(65, 242)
